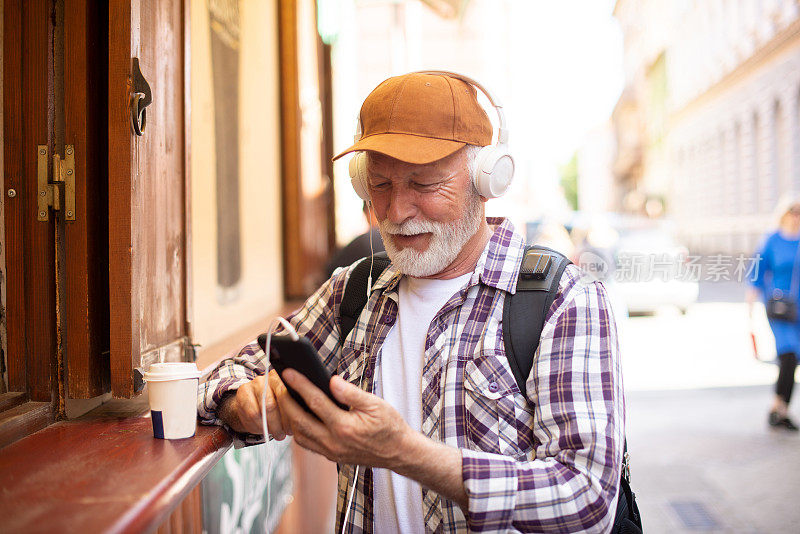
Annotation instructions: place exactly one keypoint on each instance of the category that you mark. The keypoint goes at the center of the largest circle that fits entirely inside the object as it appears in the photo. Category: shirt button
(388, 319)
(493, 387)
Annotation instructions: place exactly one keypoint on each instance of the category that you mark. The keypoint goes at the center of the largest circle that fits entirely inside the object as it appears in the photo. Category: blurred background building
(708, 122)
(508, 45)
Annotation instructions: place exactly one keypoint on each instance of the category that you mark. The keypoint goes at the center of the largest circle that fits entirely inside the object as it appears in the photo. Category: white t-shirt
(397, 499)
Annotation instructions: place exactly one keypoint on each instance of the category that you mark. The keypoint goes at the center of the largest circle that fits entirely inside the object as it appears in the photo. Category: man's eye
(424, 187)
(380, 186)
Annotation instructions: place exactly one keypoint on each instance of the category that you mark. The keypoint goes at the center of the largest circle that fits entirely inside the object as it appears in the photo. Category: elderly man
(444, 439)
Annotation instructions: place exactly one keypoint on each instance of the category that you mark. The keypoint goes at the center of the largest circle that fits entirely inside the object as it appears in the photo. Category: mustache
(412, 227)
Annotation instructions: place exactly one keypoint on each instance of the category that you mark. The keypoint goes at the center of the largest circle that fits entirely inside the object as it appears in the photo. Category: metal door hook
(141, 97)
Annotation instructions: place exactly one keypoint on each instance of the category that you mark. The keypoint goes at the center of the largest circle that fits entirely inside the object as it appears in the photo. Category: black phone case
(301, 356)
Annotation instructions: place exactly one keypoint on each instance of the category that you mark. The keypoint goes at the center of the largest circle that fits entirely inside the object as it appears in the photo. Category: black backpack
(523, 319)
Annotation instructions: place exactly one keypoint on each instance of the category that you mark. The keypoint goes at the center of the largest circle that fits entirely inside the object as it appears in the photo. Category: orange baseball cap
(421, 118)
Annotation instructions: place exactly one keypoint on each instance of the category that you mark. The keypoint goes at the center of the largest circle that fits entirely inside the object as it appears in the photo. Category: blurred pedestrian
(778, 282)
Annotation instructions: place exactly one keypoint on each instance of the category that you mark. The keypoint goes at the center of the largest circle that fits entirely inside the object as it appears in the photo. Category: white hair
(786, 202)
(472, 161)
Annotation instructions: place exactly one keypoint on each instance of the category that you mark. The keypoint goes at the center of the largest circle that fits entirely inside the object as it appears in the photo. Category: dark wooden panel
(39, 237)
(14, 172)
(146, 187)
(30, 249)
(57, 480)
(86, 239)
(9, 400)
(22, 420)
(124, 327)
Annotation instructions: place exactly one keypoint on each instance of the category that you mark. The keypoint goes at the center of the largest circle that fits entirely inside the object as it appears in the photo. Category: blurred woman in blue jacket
(779, 275)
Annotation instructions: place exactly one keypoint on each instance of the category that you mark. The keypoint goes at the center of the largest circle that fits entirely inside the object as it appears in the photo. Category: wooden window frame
(304, 260)
(75, 328)
(30, 255)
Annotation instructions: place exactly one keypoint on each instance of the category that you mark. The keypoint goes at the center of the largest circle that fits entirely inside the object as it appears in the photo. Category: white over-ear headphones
(494, 166)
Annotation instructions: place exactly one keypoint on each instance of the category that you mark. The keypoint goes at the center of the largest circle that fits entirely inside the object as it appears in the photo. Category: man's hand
(371, 433)
(242, 412)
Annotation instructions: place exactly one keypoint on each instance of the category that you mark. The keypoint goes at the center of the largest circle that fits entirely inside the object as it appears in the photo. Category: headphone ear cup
(358, 175)
(494, 169)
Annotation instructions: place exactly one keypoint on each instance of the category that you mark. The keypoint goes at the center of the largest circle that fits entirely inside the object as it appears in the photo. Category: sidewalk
(704, 460)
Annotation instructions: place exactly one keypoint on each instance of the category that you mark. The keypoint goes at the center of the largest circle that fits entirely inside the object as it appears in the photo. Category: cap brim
(406, 147)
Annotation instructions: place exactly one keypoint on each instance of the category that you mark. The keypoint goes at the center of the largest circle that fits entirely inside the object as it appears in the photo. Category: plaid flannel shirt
(547, 459)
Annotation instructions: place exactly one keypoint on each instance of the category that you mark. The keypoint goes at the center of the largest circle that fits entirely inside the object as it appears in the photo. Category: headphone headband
(502, 133)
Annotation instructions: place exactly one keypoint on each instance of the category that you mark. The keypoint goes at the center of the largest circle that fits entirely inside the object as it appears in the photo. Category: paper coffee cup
(173, 399)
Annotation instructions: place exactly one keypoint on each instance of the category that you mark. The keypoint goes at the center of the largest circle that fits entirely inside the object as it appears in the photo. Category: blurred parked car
(639, 260)
(653, 270)
(550, 234)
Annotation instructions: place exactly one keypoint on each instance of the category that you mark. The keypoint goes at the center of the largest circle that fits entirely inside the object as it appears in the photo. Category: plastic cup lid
(160, 372)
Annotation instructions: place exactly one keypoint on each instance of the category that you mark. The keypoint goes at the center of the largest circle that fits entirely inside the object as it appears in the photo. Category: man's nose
(401, 205)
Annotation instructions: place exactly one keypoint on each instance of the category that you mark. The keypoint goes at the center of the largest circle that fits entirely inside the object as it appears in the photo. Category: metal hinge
(49, 194)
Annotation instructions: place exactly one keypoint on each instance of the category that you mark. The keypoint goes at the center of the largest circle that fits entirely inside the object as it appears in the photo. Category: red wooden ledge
(103, 472)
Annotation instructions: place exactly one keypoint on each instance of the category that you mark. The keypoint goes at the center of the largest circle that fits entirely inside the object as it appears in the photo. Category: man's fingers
(349, 394)
(275, 425)
(275, 422)
(317, 401)
(274, 381)
(278, 389)
(249, 397)
(299, 420)
(247, 409)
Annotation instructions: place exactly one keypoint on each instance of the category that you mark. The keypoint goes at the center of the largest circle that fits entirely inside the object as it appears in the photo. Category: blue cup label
(158, 423)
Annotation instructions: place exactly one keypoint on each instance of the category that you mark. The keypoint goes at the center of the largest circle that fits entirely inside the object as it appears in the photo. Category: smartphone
(301, 356)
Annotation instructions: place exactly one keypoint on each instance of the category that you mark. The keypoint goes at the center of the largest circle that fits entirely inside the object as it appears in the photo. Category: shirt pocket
(498, 418)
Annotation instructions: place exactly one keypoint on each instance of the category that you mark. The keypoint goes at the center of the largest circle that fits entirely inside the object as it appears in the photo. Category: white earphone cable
(371, 250)
(350, 502)
(270, 456)
(358, 467)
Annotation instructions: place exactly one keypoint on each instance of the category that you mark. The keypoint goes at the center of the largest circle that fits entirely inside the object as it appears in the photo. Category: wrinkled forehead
(381, 164)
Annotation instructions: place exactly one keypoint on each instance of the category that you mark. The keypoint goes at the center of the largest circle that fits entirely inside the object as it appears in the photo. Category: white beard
(447, 240)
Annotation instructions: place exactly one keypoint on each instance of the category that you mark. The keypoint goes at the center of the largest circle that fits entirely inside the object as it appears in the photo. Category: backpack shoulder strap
(355, 291)
(523, 320)
(525, 311)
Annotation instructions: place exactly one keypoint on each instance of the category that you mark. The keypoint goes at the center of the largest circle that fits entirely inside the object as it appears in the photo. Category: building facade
(709, 121)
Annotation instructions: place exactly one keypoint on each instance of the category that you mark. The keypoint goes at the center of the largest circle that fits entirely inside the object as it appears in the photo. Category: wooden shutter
(147, 185)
